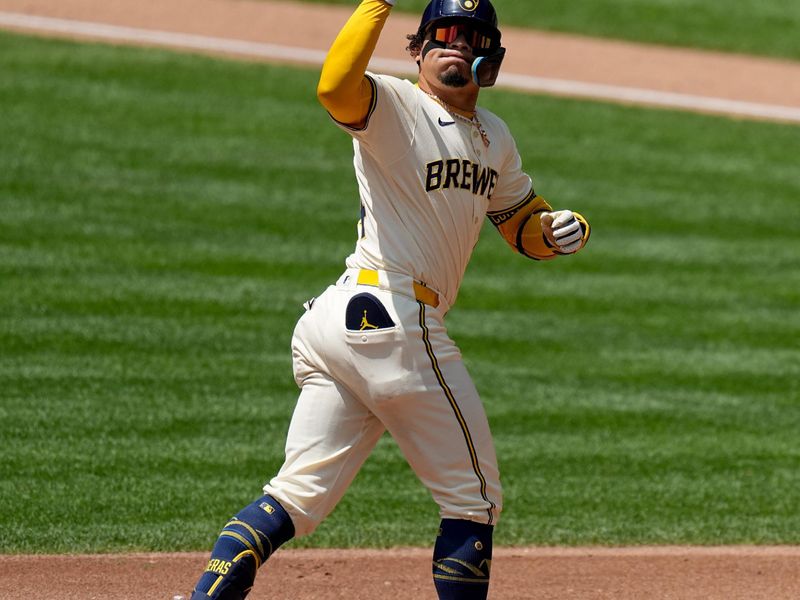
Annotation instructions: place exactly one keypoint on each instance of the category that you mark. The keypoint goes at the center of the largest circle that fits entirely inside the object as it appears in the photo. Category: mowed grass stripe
(163, 217)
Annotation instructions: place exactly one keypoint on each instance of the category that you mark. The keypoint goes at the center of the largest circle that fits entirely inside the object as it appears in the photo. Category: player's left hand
(565, 230)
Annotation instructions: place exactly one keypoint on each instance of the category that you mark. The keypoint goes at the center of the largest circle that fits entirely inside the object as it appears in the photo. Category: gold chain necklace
(474, 121)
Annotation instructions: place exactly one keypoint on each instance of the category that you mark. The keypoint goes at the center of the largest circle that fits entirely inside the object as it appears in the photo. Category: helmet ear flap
(485, 69)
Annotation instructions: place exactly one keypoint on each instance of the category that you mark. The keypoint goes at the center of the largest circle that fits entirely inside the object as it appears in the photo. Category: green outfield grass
(163, 217)
(767, 27)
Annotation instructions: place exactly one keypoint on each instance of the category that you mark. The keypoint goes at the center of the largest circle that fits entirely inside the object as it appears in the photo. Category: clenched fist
(565, 231)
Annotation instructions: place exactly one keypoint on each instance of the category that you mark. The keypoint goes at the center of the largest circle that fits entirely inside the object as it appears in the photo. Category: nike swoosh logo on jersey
(445, 123)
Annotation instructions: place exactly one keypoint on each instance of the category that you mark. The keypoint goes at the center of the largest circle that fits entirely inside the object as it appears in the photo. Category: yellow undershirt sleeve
(343, 88)
(521, 227)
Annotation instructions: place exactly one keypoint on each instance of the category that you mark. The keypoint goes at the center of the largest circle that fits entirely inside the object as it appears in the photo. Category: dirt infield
(717, 573)
(723, 573)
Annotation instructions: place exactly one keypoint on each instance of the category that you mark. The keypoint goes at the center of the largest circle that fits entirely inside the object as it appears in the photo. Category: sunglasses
(479, 41)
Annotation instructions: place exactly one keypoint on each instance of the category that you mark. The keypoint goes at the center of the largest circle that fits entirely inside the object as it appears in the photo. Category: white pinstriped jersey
(426, 181)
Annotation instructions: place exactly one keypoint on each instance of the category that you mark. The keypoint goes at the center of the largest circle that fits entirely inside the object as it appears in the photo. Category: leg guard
(462, 558)
(246, 542)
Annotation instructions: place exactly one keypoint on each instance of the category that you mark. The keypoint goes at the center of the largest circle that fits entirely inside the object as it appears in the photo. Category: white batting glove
(563, 231)
(390, 2)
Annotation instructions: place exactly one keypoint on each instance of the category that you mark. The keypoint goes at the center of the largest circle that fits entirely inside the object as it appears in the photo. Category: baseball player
(372, 352)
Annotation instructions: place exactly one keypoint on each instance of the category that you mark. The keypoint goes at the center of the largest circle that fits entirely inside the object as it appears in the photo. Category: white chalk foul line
(304, 55)
(160, 38)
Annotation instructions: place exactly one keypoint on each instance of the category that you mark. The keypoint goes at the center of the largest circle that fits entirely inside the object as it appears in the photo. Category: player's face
(449, 62)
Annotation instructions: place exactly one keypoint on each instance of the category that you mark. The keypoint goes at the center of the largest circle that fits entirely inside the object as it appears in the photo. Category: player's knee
(244, 544)
(267, 520)
(462, 559)
(307, 507)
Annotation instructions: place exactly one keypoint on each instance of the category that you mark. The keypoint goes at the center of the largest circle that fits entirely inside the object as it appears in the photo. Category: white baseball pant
(407, 378)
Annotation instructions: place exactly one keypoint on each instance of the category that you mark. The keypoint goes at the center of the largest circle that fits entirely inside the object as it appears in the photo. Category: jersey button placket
(477, 143)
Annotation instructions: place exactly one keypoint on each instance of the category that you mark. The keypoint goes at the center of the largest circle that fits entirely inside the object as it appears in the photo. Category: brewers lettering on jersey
(372, 353)
(461, 173)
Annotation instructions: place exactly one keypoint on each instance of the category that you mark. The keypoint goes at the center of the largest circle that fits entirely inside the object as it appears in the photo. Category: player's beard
(452, 77)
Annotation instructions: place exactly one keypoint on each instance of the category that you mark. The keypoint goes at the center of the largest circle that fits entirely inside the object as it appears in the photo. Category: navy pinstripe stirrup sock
(462, 559)
(244, 544)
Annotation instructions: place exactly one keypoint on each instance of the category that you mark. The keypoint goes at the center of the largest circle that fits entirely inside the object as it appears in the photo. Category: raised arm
(344, 90)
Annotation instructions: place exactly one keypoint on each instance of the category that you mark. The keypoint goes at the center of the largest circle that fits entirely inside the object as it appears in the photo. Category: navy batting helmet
(441, 21)
(481, 11)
